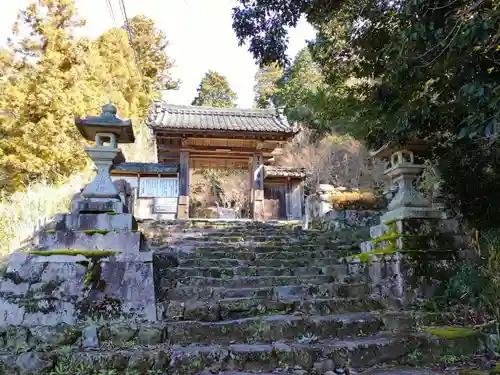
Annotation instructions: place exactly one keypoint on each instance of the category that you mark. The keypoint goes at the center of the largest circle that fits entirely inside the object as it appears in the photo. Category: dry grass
(335, 160)
(361, 200)
(24, 213)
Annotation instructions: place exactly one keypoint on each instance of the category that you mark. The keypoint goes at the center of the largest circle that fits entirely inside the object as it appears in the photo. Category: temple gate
(205, 137)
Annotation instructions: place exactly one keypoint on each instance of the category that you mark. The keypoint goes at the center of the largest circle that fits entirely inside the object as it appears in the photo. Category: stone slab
(49, 297)
(95, 206)
(51, 313)
(118, 241)
(133, 284)
(403, 213)
(115, 222)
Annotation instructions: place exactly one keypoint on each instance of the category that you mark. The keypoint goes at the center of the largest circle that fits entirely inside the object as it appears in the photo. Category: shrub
(357, 200)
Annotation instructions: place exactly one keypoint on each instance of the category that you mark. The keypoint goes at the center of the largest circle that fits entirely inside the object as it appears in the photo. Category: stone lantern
(107, 131)
(408, 202)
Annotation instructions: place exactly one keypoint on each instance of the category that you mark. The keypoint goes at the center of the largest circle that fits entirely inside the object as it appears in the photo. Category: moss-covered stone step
(273, 328)
(253, 281)
(297, 231)
(307, 354)
(263, 246)
(237, 308)
(127, 346)
(269, 248)
(285, 263)
(251, 255)
(306, 291)
(234, 308)
(302, 234)
(219, 272)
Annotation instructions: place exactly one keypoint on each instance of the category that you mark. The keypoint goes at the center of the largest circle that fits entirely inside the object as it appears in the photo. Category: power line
(131, 39)
(111, 11)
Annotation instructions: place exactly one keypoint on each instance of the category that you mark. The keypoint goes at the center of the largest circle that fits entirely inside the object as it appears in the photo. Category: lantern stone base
(97, 205)
(84, 265)
(402, 213)
(82, 222)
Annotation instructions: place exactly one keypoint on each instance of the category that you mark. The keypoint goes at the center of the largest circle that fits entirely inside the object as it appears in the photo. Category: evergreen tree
(214, 91)
(267, 84)
(48, 76)
(150, 46)
(40, 139)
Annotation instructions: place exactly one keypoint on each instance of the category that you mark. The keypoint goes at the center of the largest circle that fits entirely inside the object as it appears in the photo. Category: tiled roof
(146, 168)
(273, 171)
(168, 116)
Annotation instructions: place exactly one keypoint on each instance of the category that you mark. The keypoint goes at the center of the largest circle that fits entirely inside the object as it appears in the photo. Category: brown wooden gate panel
(274, 202)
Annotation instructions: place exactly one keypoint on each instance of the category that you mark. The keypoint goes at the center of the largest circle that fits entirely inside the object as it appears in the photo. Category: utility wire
(131, 40)
(111, 11)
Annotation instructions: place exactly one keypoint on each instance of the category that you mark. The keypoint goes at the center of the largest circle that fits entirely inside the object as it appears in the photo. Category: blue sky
(200, 35)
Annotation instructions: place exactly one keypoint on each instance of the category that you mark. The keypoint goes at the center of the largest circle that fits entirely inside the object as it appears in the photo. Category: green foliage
(214, 91)
(150, 46)
(475, 198)
(49, 76)
(299, 86)
(392, 71)
(474, 287)
(266, 84)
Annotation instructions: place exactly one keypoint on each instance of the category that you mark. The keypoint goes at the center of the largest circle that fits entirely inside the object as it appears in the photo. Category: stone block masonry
(224, 297)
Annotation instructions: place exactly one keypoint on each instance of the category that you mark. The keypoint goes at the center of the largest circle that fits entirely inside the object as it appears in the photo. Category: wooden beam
(221, 156)
(213, 149)
(202, 155)
(222, 135)
(218, 163)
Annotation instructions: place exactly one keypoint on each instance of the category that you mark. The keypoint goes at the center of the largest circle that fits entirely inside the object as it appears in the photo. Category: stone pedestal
(90, 263)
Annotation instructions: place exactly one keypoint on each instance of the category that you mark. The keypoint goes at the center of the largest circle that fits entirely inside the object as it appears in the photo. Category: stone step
(237, 308)
(189, 360)
(213, 223)
(138, 348)
(252, 243)
(253, 281)
(256, 248)
(250, 255)
(300, 234)
(272, 328)
(285, 263)
(332, 290)
(297, 232)
(262, 271)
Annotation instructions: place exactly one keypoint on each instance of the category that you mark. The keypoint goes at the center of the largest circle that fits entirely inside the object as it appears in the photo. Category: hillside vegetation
(49, 76)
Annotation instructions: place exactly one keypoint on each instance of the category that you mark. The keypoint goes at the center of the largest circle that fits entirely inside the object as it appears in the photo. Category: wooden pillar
(258, 186)
(302, 207)
(288, 200)
(250, 183)
(183, 206)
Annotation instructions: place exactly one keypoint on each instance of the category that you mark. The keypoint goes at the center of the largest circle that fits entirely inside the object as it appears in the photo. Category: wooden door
(274, 202)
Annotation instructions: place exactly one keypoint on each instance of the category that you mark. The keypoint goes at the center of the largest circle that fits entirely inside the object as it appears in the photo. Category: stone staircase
(248, 297)
(272, 297)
